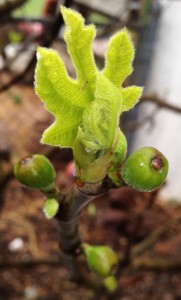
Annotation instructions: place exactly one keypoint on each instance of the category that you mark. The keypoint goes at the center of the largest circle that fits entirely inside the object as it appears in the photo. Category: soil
(123, 220)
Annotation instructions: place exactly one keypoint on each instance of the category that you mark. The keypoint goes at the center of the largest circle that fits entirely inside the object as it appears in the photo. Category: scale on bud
(36, 171)
(101, 259)
(145, 169)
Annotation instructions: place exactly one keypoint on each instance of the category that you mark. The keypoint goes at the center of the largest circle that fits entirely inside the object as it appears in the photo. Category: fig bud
(50, 208)
(110, 283)
(101, 259)
(145, 169)
(35, 171)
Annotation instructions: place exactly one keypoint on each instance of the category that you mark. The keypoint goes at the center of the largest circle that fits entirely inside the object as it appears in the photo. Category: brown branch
(153, 237)
(157, 264)
(160, 102)
(53, 262)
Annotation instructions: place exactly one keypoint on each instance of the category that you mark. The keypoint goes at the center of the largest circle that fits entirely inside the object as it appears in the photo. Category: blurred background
(154, 26)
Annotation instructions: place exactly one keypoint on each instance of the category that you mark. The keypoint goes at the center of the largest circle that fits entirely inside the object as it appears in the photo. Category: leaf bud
(101, 259)
(145, 169)
(35, 171)
(50, 208)
(110, 283)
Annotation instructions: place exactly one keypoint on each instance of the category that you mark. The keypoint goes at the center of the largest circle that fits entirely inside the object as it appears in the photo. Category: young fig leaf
(86, 109)
(61, 96)
(79, 41)
(101, 117)
(131, 96)
(119, 57)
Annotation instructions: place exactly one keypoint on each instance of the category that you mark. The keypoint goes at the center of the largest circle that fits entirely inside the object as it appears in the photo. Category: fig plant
(87, 111)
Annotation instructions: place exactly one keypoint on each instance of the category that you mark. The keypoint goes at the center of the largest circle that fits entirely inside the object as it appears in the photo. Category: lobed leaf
(119, 57)
(87, 109)
(79, 41)
(63, 97)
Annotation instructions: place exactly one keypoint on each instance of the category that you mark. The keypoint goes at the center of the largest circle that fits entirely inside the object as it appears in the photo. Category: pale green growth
(131, 95)
(50, 208)
(119, 57)
(91, 210)
(62, 98)
(102, 260)
(110, 283)
(101, 117)
(79, 40)
(87, 109)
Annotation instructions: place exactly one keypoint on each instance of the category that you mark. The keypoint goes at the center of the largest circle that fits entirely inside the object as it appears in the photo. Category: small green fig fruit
(101, 259)
(35, 171)
(50, 208)
(145, 169)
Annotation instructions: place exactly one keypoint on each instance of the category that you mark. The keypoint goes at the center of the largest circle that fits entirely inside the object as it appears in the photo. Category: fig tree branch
(160, 102)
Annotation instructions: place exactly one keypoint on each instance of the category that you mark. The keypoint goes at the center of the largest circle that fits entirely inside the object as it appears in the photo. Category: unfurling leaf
(87, 108)
(119, 57)
(62, 97)
(79, 40)
(131, 96)
(101, 117)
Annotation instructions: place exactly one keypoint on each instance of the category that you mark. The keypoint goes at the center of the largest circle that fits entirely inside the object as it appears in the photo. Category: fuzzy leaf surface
(79, 41)
(131, 96)
(62, 97)
(119, 57)
(101, 117)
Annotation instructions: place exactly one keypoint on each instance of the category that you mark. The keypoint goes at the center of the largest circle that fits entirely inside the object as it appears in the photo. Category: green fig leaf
(86, 109)
(50, 208)
(131, 96)
(79, 41)
(119, 57)
(64, 97)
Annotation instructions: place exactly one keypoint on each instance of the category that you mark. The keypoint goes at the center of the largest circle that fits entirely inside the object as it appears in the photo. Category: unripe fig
(145, 169)
(101, 259)
(35, 171)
